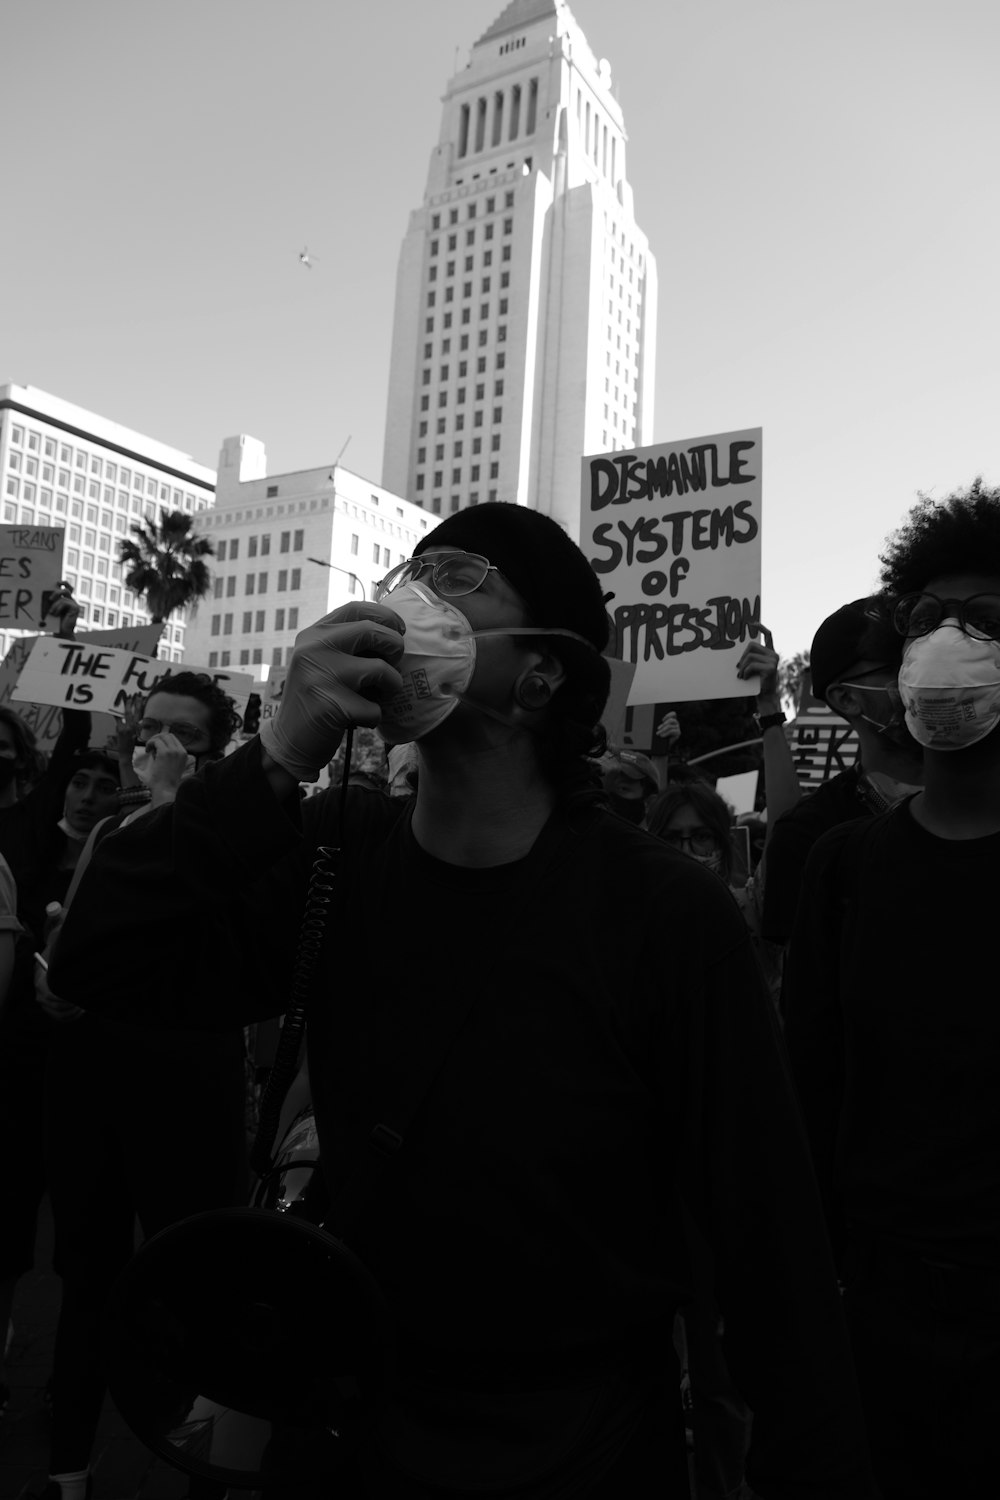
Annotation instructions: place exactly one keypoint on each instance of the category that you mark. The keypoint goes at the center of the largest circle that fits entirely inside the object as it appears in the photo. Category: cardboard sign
(31, 565)
(740, 791)
(77, 674)
(673, 533)
(44, 719)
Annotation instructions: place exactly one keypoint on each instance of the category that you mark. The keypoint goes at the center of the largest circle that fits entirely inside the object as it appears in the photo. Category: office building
(525, 314)
(289, 548)
(63, 466)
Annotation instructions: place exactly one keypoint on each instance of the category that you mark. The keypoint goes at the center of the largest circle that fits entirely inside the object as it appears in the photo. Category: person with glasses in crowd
(605, 1051)
(893, 1027)
(140, 1124)
(853, 665)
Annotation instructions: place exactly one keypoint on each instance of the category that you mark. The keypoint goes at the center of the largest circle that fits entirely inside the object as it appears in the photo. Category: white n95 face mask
(439, 658)
(438, 661)
(950, 686)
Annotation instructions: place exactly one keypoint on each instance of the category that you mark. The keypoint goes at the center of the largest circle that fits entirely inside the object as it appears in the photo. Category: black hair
(224, 721)
(959, 534)
(29, 759)
(95, 760)
(714, 812)
(570, 735)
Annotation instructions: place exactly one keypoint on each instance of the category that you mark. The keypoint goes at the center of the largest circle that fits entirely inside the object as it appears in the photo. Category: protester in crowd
(21, 762)
(630, 782)
(854, 661)
(10, 927)
(46, 813)
(139, 1123)
(894, 1031)
(609, 1051)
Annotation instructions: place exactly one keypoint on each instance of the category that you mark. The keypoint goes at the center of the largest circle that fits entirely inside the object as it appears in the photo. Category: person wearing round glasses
(894, 1031)
(536, 1032)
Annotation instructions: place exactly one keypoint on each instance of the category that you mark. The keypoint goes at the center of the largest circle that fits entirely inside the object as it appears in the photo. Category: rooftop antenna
(340, 455)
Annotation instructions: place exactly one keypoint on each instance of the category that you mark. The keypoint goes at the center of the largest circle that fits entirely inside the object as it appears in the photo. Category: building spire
(518, 14)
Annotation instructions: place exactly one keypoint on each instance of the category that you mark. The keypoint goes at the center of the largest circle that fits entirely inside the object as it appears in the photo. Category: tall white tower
(525, 320)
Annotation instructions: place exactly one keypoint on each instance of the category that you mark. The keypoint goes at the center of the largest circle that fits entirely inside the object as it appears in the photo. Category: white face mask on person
(950, 686)
(143, 760)
(438, 661)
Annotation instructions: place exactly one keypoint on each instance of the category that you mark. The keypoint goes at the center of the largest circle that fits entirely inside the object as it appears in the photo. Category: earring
(534, 692)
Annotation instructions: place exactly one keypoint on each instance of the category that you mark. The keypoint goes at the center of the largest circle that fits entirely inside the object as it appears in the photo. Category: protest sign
(77, 673)
(673, 533)
(45, 719)
(740, 791)
(31, 560)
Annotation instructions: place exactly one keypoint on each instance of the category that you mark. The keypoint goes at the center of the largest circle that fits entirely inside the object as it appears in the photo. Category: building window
(375, 552)
(282, 580)
(216, 624)
(247, 622)
(296, 579)
(272, 491)
(495, 442)
(234, 549)
(279, 619)
(497, 414)
(420, 481)
(298, 539)
(293, 619)
(260, 620)
(217, 589)
(231, 587)
(438, 478)
(425, 402)
(244, 658)
(251, 546)
(248, 585)
(262, 583)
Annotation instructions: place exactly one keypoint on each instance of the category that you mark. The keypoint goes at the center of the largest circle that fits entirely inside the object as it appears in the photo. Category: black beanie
(536, 556)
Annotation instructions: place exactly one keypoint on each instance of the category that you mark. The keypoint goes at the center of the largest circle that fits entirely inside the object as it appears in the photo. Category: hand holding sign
(761, 660)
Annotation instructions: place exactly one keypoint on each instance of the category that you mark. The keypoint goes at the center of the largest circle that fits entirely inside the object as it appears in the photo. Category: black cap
(536, 556)
(861, 631)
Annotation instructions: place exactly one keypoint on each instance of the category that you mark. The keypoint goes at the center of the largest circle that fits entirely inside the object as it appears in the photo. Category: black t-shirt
(893, 1028)
(795, 833)
(615, 1055)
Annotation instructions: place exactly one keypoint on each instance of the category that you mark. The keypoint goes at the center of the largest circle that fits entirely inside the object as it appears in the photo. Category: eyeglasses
(699, 840)
(452, 574)
(186, 733)
(919, 614)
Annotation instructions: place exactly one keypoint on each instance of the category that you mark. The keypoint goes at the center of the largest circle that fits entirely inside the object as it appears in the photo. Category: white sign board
(673, 533)
(31, 559)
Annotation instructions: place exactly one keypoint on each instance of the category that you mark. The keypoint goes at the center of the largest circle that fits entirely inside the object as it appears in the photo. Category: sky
(818, 182)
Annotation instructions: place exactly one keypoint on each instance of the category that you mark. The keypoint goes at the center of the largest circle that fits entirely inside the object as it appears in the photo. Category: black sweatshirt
(617, 1054)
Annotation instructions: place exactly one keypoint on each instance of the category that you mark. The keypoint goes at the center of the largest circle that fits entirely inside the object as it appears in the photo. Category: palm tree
(164, 564)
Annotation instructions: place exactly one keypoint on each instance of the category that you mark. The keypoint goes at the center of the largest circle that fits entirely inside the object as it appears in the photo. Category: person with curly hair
(893, 1031)
(576, 1004)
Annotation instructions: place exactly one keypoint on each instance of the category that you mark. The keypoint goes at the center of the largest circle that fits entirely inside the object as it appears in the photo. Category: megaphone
(250, 1347)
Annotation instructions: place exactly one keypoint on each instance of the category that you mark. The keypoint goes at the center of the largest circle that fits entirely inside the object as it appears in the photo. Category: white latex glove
(340, 672)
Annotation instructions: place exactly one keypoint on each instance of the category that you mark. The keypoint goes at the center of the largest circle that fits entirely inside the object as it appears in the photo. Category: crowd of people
(687, 1127)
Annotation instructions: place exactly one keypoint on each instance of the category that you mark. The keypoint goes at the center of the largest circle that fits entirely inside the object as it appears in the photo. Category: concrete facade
(289, 548)
(63, 466)
(525, 317)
